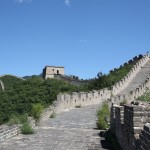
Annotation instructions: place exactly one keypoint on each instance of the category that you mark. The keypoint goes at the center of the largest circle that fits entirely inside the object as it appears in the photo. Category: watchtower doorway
(57, 71)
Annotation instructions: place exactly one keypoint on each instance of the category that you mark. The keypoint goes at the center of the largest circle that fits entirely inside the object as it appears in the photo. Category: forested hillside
(19, 95)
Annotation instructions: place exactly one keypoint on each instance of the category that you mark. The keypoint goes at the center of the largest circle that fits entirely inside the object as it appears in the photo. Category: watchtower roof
(55, 66)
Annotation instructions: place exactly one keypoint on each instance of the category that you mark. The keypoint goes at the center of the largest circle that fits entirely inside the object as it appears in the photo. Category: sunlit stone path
(69, 130)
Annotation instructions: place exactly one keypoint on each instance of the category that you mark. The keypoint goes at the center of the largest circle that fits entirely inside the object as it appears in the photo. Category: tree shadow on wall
(109, 141)
(104, 143)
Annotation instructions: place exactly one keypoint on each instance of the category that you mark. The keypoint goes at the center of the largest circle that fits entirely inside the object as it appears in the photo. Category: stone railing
(7, 132)
(127, 122)
(67, 101)
(144, 140)
(132, 95)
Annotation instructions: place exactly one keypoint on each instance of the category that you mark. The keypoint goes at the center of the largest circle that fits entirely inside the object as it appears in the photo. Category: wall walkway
(69, 130)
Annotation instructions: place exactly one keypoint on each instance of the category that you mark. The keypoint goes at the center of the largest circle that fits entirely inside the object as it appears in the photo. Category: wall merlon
(130, 132)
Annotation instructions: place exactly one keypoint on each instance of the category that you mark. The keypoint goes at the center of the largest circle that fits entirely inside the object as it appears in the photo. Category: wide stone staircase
(137, 80)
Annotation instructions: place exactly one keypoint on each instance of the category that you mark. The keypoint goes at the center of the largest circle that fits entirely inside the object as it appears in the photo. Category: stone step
(138, 79)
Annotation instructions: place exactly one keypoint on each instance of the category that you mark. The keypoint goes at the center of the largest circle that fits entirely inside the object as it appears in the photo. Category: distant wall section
(1, 86)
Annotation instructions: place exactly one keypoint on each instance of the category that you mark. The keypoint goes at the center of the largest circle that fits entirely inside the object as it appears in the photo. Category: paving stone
(69, 130)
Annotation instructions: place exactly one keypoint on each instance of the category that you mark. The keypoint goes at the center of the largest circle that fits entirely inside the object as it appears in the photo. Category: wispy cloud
(23, 1)
(67, 2)
(83, 41)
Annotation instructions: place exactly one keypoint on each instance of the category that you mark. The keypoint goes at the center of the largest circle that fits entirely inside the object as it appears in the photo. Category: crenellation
(131, 130)
(7, 132)
(130, 61)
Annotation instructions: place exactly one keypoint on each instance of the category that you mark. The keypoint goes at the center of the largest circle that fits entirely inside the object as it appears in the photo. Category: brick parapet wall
(7, 132)
(144, 141)
(129, 131)
(132, 95)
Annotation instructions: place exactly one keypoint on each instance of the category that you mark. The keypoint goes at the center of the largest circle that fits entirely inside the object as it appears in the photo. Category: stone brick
(147, 127)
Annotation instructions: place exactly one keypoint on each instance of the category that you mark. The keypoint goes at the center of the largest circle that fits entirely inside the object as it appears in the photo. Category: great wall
(130, 123)
(120, 91)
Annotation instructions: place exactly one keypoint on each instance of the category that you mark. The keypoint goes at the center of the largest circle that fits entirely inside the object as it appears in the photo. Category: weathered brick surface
(132, 132)
(9, 132)
(69, 130)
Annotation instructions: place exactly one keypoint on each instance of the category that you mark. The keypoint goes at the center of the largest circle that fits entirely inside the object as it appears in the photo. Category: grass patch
(13, 120)
(146, 96)
(27, 129)
(123, 102)
(103, 117)
(37, 110)
(78, 106)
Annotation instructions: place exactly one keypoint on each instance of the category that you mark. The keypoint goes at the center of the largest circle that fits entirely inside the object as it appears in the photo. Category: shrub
(13, 120)
(105, 109)
(123, 102)
(103, 117)
(145, 96)
(78, 106)
(101, 123)
(53, 115)
(23, 118)
(37, 110)
(27, 129)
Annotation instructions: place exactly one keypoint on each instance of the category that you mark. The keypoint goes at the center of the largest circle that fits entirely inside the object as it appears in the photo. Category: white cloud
(23, 1)
(83, 41)
(67, 2)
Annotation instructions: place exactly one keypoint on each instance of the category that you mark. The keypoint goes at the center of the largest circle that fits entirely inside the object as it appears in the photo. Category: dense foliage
(20, 95)
(27, 129)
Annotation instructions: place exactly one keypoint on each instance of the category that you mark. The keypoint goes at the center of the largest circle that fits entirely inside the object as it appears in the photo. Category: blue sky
(84, 36)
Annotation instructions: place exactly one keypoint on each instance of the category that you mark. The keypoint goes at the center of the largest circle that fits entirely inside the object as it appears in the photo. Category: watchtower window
(57, 71)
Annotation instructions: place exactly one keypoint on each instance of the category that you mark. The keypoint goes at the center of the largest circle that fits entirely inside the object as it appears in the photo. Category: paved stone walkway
(70, 130)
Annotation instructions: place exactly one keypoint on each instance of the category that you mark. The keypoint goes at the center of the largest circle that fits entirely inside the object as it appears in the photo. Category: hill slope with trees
(20, 95)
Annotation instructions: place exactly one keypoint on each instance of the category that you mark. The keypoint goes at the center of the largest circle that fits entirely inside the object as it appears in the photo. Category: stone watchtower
(51, 71)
